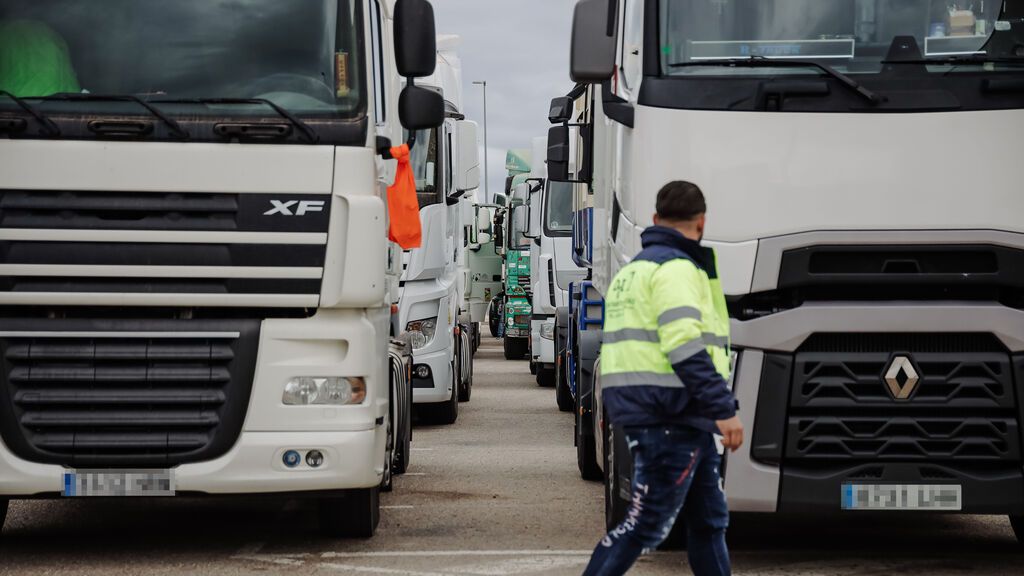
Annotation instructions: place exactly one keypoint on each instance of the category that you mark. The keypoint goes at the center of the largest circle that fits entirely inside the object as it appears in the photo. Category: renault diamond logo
(902, 378)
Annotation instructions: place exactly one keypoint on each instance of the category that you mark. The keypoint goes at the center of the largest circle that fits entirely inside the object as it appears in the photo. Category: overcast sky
(521, 48)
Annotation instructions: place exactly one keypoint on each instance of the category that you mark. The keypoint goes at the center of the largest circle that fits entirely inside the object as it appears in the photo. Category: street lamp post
(487, 180)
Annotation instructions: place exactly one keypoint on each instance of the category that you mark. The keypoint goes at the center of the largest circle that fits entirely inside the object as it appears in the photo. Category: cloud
(521, 48)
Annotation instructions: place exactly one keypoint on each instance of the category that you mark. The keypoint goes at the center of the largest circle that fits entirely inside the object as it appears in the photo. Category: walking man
(664, 371)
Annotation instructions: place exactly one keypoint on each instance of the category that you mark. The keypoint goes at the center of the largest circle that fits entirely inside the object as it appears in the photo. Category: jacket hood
(664, 237)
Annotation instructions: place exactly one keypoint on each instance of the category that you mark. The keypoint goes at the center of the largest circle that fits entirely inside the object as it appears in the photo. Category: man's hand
(732, 433)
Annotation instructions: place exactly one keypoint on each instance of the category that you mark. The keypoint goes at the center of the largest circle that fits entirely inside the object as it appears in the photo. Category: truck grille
(122, 399)
(197, 247)
(964, 407)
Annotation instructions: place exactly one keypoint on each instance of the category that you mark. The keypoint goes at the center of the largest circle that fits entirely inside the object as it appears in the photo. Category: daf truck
(195, 273)
(859, 162)
(446, 167)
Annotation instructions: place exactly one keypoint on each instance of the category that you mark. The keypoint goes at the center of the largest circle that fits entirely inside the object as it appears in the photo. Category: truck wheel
(387, 483)
(354, 514)
(1016, 521)
(562, 393)
(586, 450)
(546, 377)
(615, 508)
(466, 392)
(494, 318)
(476, 336)
(445, 413)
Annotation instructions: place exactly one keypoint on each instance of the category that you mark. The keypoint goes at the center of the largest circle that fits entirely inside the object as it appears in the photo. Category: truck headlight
(331, 391)
(421, 332)
(547, 331)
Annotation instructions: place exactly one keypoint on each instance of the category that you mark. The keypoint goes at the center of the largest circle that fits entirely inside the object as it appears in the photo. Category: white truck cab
(552, 268)
(195, 272)
(432, 294)
(859, 163)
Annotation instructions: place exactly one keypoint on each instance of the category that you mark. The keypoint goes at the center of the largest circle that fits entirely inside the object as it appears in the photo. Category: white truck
(431, 305)
(859, 161)
(552, 269)
(195, 272)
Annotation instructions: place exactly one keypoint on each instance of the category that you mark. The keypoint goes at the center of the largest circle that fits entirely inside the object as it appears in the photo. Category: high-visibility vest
(658, 315)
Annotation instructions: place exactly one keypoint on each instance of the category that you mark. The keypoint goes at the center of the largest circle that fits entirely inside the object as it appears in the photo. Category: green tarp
(34, 60)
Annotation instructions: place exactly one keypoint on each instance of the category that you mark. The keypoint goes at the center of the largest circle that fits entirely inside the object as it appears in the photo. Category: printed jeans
(676, 469)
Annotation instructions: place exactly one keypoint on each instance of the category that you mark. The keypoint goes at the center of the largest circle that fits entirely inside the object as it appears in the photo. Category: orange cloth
(403, 206)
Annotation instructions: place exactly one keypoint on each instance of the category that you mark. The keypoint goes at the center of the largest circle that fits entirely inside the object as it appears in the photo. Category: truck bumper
(253, 466)
(333, 343)
(813, 396)
(543, 349)
(437, 387)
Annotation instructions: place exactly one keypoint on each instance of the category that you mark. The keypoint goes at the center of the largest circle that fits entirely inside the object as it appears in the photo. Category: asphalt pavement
(496, 494)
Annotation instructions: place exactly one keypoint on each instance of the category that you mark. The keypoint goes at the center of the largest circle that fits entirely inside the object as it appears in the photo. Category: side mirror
(467, 157)
(533, 209)
(415, 38)
(561, 110)
(420, 108)
(484, 221)
(592, 56)
(558, 154)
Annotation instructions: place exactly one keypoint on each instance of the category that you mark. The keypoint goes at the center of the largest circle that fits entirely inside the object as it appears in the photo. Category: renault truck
(859, 162)
(446, 167)
(195, 273)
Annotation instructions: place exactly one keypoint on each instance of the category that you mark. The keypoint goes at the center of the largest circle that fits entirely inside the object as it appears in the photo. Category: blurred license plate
(944, 497)
(98, 483)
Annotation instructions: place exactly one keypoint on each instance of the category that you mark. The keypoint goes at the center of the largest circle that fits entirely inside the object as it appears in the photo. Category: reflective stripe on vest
(624, 379)
(682, 313)
(630, 335)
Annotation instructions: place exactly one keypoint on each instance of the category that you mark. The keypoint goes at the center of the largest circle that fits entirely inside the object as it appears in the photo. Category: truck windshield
(303, 55)
(558, 209)
(851, 36)
(425, 160)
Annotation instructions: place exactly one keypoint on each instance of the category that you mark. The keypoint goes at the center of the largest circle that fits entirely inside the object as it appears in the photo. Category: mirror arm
(411, 142)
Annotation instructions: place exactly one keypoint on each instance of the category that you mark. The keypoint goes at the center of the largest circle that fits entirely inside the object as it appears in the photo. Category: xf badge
(294, 207)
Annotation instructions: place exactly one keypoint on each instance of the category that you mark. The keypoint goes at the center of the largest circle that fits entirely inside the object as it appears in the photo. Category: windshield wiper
(306, 130)
(170, 122)
(51, 127)
(958, 59)
(762, 62)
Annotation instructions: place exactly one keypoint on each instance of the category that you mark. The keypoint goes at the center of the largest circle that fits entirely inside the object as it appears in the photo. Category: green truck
(515, 309)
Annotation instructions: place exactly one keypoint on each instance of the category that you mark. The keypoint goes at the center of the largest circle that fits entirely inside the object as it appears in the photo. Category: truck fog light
(423, 371)
(314, 458)
(291, 459)
(328, 391)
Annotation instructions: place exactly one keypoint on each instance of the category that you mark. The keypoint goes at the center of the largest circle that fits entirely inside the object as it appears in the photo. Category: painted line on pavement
(447, 553)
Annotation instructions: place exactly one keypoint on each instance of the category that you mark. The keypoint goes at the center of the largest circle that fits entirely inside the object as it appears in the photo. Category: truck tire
(516, 348)
(494, 317)
(563, 395)
(354, 514)
(466, 391)
(1016, 521)
(444, 413)
(545, 377)
(615, 508)
(586, 449)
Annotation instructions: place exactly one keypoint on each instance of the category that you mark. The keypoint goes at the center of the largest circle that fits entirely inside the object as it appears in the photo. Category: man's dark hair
(681, 201)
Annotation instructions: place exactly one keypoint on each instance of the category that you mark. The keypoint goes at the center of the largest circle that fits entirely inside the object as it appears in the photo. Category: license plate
(935, 497)
(118, 483)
